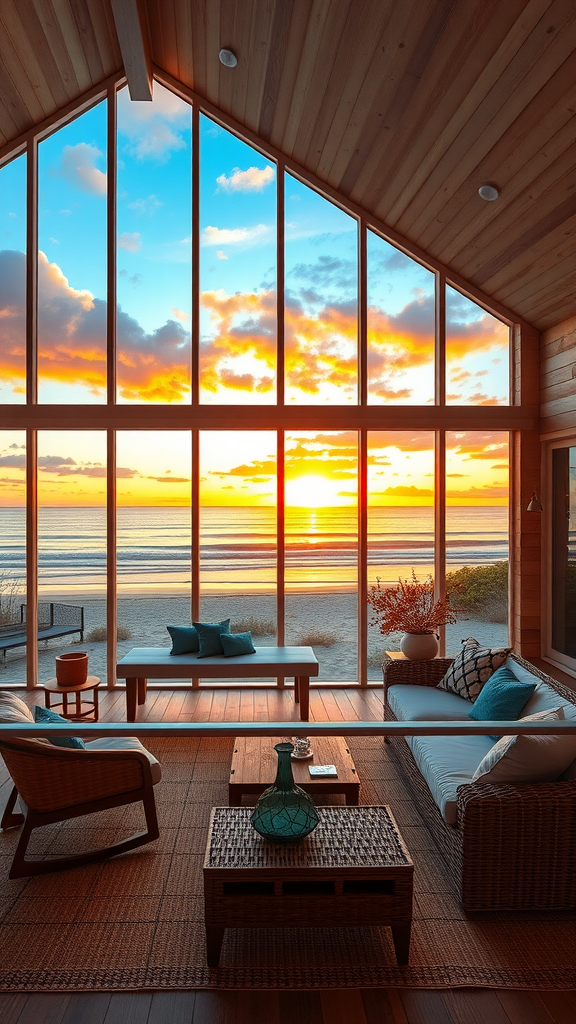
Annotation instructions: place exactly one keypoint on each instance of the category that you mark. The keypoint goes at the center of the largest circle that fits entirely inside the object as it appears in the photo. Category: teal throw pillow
(502, 697)
(237, 643)
(209, 634)
(43, 716)
(184, 639)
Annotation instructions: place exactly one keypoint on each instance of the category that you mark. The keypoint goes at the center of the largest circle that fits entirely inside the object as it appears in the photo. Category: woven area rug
(136, 921)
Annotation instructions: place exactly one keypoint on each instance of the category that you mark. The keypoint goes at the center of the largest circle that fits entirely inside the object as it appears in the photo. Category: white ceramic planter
(419, 646)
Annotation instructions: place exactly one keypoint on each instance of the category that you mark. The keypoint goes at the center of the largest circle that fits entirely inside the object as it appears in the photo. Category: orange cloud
(152, 367)
(240, 353)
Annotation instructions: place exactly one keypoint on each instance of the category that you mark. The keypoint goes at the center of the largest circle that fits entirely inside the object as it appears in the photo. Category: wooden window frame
(520, 417)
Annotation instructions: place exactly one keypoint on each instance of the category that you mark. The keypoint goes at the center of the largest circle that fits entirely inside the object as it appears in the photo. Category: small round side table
(75, 692)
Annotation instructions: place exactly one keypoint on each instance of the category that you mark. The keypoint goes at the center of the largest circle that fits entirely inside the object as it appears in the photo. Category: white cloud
(145, 206)
(154, 129)
(221, 255)
(232, 236)
(78, 166)
(130, 241)
(180, 314)
(54, 240)
(254, 179)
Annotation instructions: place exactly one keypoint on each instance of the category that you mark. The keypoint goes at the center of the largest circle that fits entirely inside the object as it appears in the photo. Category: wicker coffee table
(353, 870)
(254, 764)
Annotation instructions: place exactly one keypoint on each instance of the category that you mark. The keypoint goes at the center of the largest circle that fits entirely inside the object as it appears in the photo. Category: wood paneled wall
(558, 378)
(525, 527)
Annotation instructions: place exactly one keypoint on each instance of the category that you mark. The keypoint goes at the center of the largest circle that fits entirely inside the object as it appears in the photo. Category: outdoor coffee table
(352, 870)
(254, 765)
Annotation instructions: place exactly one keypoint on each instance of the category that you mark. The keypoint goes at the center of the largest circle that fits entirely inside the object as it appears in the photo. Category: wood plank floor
(368, 1006)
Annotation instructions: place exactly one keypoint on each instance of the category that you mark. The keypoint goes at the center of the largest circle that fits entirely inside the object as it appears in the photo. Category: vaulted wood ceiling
(404, 106)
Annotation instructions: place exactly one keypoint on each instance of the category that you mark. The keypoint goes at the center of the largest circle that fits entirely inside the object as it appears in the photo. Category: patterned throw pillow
(471, 668)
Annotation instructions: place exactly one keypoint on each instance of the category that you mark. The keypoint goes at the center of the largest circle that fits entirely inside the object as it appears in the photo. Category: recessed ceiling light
(228, 58)
(488, 192)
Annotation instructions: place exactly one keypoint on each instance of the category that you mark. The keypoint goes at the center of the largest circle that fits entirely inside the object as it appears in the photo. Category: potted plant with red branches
(411, 608)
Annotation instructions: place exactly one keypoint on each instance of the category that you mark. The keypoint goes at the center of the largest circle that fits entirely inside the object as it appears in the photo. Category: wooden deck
(368, 1006)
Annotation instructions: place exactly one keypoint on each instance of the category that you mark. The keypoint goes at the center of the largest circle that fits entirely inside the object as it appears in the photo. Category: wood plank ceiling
(404, 106)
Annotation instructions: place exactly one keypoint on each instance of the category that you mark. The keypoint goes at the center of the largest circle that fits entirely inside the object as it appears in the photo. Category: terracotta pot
(419, 646)
(71, 669)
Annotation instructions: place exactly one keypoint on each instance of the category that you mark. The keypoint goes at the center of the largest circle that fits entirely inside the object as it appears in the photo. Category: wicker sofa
(510, 846)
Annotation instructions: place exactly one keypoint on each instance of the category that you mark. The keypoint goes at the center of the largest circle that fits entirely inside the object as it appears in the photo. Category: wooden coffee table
(353, 870)
(254, 764)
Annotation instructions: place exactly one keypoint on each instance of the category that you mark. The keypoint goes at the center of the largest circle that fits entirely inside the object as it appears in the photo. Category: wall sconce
(534, 505)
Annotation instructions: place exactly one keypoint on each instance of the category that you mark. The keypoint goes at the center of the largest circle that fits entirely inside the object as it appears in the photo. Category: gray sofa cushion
(447, 762)
(426, 704)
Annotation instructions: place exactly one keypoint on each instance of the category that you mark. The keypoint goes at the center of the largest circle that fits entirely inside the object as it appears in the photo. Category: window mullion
(111, 559)
(31, 400)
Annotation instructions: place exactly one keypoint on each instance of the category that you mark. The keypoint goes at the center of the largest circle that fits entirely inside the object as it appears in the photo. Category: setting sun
(312, 491)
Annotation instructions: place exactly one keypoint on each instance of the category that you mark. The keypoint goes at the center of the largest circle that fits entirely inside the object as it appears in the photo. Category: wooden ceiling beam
(133, 33)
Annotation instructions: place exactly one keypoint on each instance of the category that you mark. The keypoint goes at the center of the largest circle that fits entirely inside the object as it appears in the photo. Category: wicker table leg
(401, 937)
(214, 937)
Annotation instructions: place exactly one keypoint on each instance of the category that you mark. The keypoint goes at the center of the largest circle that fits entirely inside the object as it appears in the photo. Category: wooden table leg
(96, 711)
(296, 690)
(304, 692)
(131, 687)
(401, 936)
(214, 937)
(234, 796)
(47, 698)
(78, 703)
(142, 690)
(65, 705)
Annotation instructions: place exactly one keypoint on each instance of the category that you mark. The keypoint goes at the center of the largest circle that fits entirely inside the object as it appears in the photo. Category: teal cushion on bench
(184, 639)
(44, 716)
(235, 644)
(209, 633)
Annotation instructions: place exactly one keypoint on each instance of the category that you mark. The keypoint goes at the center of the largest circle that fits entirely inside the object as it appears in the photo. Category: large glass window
(13, 281)
(72, 545)
(154, 248)
(477, 536)
(477, 354)
(277, 417)
(12, 556)
(321, 321)
(400, 519)
(238, 531)
(72, 261)
(401, 326)
(237, 270)
(322, 548)
(153, 474)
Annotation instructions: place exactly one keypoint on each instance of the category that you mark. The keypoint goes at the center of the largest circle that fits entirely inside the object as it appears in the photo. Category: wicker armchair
(513, 846)
(56, 783)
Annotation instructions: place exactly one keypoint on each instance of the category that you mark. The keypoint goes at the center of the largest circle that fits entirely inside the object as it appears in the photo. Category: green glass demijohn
(284, 813)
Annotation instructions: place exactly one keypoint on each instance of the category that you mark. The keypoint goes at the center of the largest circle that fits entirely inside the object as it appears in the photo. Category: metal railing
(355, 728)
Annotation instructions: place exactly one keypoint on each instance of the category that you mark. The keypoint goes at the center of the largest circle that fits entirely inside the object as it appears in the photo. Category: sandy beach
(325, 621)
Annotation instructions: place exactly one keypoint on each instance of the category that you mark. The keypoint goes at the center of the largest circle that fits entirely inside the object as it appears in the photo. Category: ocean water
(238, 547)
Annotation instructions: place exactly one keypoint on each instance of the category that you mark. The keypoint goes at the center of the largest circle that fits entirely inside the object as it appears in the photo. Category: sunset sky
(238, 324)
(154, 468)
